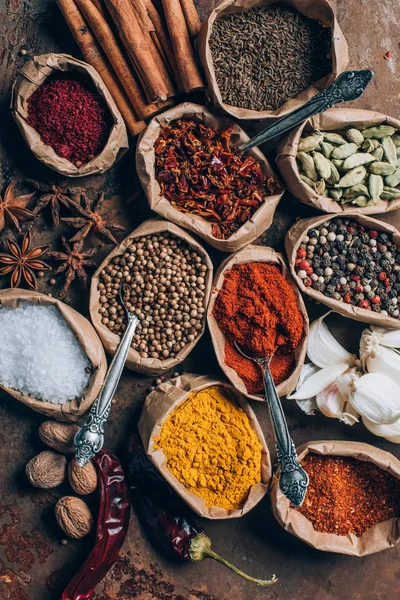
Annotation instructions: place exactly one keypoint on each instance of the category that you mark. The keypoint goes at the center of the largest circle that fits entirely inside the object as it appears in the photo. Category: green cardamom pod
(338, 163)
(352, 177)
(378, 132)
(362, 201)
(355, 136)
(307, 181)
(308, 165)
(397, 151)
(326, 149)
(336, 194)
(390, 193)
(394, 179)
(333, 138)
(396, 139)
(321, 164)
(310, 142)
(356, 160)
(389, 150)
(370, 145)
(320, 186)
(360, 189)
(378, 153)
(334, 176)
(345, 150)
(375, 186)
(381, 168)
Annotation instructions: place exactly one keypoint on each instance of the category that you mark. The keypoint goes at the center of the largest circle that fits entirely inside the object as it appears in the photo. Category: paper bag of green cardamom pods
(293, 240)
(31, 76)
(110, 339)
(161, 403)
(255, 254)
(72, 410)
(379, 537)
(145, 164)
(319, 10)
(336, 120)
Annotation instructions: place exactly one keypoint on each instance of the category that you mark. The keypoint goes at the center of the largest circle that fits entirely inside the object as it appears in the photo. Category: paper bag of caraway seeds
(160, 404)
(335, 119)
(254, 254)
(320, 10)
(293, 240)
(30, 77)
(378, 537)
(148, 366)
(91, 345)
(145, 164)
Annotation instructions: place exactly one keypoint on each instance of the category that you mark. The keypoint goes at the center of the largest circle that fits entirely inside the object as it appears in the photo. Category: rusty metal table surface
(37, 566)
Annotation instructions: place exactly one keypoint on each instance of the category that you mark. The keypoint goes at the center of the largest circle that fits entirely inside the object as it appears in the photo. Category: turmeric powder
(211, 448)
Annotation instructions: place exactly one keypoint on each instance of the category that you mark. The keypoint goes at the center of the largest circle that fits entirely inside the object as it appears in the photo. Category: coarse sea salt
(40, 355)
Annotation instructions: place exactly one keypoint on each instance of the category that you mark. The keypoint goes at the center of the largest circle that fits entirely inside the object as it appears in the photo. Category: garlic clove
(307, 405)
(333, 401)
(390, 431)
(386, 361)
(317, 381)
(323, 349)
(388, 337)
(376, 397)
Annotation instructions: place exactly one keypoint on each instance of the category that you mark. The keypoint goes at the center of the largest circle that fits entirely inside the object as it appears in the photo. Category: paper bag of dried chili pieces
(193, 175)
(354, 489)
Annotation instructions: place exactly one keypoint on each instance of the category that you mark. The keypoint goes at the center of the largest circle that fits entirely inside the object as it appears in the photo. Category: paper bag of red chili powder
(336, 120)
(91, 345)
(161, 403)
(148, 366)
(378, 537)
(254, 254)
(30, 78)
(293, 240)
(319, 10)
(145, 164)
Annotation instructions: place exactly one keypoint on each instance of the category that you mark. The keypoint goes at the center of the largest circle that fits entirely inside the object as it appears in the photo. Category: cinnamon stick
(191, 17)
(100, 7)
(93, 55)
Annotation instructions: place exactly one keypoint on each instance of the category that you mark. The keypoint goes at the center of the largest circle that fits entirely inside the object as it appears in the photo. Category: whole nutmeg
(59, 436)
(83, 480)
(73, 517)
(46, 470)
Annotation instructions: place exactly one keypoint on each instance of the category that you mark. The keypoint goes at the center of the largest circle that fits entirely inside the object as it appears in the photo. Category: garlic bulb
(377, 352)
(333, 401)
(323, 349)
(376, 397)
(390, 431)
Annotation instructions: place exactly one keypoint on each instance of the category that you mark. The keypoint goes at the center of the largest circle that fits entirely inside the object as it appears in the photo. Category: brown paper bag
(319, 10)
(335, 119)
(292, 242)
(145, 164)
(111, 341)
(31, 76)
(254, 254)
(379, 537)
(161, 403)
(91, 345)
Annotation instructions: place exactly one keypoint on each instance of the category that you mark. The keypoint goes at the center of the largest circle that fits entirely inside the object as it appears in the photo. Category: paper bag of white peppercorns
(72, 410)
(337, 120)
(293, 240)
(147, 364)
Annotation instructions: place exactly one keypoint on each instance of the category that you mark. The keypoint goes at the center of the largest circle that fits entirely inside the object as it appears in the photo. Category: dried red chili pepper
(199, 172)
(112, 527)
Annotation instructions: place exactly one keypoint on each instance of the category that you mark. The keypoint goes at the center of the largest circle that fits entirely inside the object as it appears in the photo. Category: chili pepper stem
(200, 548)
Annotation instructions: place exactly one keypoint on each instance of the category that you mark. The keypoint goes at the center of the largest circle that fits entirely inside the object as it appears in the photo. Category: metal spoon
(293, 479)
(90, 438)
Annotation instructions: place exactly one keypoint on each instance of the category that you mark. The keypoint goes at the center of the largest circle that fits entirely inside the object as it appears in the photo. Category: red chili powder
(70, 116)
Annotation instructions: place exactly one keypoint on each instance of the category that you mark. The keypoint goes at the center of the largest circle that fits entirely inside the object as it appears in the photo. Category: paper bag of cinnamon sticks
(148, 366)
(379, 537)
(31, 76)
(160, 404)
(91, 345)
(145, 164)
(254, 254)
(320, 10)
(293, 240)
(335, 119)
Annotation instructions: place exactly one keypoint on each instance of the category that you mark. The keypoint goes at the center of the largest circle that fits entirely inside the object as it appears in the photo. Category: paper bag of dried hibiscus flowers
(67, 115)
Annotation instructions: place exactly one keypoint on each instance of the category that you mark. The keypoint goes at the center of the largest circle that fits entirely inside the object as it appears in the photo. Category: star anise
(74, 261)
(89, 218)
(55, 195)
(13, 209)
(22, 262)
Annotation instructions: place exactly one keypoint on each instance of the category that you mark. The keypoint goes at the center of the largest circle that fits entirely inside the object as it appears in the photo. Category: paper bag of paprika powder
(91, 345)
(319, 10)
(145, 164)
(254, 254)
(31, 76)
(293, 240)
(160, 404)
(111, 341)
(379, 537)
(335, 119)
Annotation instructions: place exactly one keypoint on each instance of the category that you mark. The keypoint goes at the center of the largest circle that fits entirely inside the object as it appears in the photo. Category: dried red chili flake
(346, 495)
(200, 173)
(70, 116)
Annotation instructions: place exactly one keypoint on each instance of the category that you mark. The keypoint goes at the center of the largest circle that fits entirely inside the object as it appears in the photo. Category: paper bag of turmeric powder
(160, 404)
(335, 119)
(254, 254)
(379, 537)
(145, 164)
(91, 345)
(148, 366)
(293, 240)
(30, 77)
(320, 10)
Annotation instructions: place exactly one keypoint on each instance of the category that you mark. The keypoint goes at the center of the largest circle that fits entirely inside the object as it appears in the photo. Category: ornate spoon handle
(347, 87)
